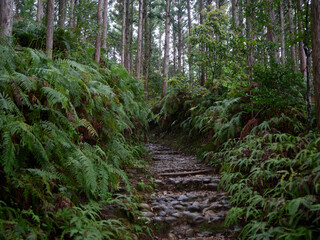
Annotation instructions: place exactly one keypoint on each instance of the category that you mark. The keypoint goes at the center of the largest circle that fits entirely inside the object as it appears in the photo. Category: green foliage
(64, 130)
(273, 179)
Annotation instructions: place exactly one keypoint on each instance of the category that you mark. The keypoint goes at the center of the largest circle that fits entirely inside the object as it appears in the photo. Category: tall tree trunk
(308, 55)
(50, 26)
(160, 51)
(62, 13)
(179, 36)
(174, 45)
(147, 35)
(123, 44)
(315, 29)
(72, 17)
(292, 27)
(99, 32)
(249, 37)
(105, 24)
(130, 60)
(302, 55)
(139, 41)
(166, 50)
(127, 46)
(40, 11)
(189, 45)
(6, 17)
(202, 70)
(235, 14)
(271, 36)
(283, 57)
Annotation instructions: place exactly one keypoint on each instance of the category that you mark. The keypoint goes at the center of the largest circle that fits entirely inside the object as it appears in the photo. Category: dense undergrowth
(257, 136)
(68, 130)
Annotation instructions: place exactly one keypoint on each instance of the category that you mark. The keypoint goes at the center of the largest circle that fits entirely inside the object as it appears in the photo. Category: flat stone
(194, 208)
(157, 220)
(162, 214)
(179, 207)
(212, 186)
(170, 219)
(183, 198)
(145, 206)
(175, 202)
(148, 214)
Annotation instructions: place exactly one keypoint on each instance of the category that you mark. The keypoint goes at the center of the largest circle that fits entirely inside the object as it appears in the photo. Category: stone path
(186, 204)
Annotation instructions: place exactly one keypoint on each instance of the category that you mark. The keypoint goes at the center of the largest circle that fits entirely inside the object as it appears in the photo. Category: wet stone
(183, 198)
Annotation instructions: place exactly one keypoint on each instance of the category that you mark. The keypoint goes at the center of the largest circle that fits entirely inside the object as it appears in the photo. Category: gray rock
(145, 206)
(212, 186)
(183, 198)
(194, 208)
(179, 207)
(170, 219)
(162, 214)
(157, 220)
(175, 202)
(148, 214)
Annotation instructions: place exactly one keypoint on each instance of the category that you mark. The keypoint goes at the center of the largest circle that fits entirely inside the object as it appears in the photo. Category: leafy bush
(64, 130)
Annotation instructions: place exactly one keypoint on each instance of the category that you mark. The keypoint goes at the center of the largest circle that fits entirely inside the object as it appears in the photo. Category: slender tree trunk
(270, 30)
(160, 51)
(174, 45)
(147, 35)
(315, 29)
(99, 32)
(6, 17)
(283, 57)
(202, 70)
(166, 50)
(302, 55)
(40, 11)
(130, 60)
(179, 36)
(62, 13)
(235, 15)
(105, 24)
(308, 55)
(139, 40)
(50, 26)
(123, 45)
(249, 37)
(189, 45)
(72, 18)
(127, 46)
(292, 48)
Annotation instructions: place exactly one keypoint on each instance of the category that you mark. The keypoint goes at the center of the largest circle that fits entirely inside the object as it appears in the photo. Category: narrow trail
(186, 203)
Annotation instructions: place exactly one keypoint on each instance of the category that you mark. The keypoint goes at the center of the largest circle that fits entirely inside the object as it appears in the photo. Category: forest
(86, 84)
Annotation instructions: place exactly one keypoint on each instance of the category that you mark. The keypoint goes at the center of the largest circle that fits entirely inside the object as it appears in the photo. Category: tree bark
(147, 35)
(308, 55)
(292, 27)
(139, 41)
(50, 26)
(235, 16)
(130, 60)
(105, 24)
(128, 43)
(315, 29)
(62, 13)
(40, 11)
(249, 37)
(99, 32)
(202, 70)
(302, 55)
(6, 17)
(160, 51)
(123, 44)
(72, 17)
(166, 50)
(174, 45)
(179, 36)
(283, 57)
(271, 36)
(189, 45)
